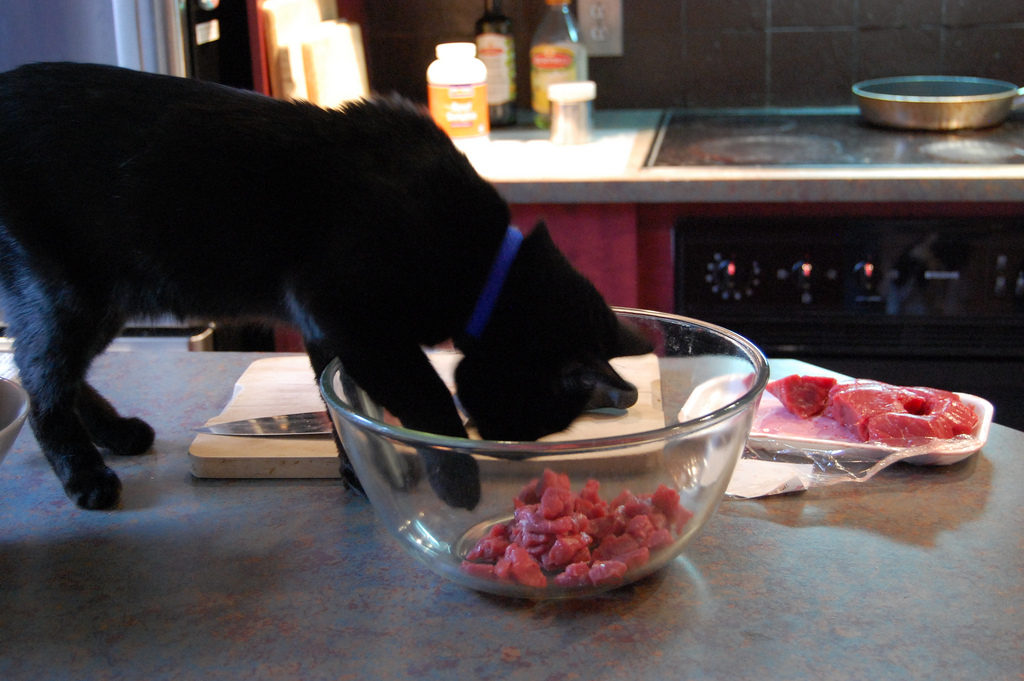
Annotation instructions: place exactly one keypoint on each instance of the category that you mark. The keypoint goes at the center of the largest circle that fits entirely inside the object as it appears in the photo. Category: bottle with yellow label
(556, 56)
(457, 92)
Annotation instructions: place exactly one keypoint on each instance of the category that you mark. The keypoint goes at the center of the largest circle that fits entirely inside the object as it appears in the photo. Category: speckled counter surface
(918, 574)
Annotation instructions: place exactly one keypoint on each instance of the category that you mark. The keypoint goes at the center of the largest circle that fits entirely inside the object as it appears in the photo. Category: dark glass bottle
(495, 47)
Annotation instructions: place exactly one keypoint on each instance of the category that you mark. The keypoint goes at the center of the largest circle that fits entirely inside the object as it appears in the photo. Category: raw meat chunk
(582, 540)
(566, 550)
(492, 546)
(607, 572)
(616, 546)
(521, 567)
(875, 411)
(906, 425)
(576, 574)
(666, 500)
(804, 396)
(852, 404)
(484, 570)
(962, 419)
(555, 502)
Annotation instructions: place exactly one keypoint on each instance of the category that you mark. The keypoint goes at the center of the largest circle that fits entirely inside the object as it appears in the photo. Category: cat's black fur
(125, 194)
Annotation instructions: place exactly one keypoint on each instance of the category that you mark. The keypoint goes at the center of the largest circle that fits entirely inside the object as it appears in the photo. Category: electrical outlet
(601, 26)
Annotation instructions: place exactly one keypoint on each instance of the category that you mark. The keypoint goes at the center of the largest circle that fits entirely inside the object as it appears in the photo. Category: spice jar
(572, 111)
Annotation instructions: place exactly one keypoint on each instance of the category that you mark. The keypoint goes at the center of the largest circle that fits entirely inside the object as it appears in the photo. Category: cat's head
(542, 358)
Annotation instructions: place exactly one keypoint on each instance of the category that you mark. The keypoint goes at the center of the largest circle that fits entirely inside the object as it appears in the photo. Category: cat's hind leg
(121, 435)
(54, 343)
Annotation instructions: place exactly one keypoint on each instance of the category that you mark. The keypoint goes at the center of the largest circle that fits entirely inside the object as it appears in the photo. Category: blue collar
(494, 283)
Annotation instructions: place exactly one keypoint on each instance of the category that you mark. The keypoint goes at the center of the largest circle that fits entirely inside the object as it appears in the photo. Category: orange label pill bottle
(457, 92)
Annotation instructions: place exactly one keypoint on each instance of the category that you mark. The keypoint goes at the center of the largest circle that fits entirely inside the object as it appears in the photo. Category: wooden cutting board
(285, 385)
(268, 387)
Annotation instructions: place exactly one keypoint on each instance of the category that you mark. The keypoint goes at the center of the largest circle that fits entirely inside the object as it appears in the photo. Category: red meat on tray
(929, 413)
(804, 396)
(873, 411)
(854, 404)
(878, 411)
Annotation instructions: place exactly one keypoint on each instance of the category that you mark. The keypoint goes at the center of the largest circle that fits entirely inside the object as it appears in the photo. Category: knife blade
(304, 424)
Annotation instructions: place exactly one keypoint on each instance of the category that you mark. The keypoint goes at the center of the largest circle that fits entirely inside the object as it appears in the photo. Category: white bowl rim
(516, 450)
(22, 411)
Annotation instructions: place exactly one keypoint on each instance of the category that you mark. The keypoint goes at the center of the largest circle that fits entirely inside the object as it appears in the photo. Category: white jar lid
(579, 91)
(455, 51)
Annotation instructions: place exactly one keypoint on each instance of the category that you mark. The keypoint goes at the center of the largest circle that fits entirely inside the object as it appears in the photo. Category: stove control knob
(1000, 287)
(729, 281)
(726, 272)
(866, 275)
(999, 290)
(802, 271)
(722, 275)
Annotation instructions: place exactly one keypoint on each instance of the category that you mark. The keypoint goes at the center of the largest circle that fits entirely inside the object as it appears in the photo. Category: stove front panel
(902, 286)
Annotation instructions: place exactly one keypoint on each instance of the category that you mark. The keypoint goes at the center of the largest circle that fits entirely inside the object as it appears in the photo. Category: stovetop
(827, 138)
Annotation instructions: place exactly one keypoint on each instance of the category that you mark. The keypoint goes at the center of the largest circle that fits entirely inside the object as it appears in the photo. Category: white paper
(753, 478)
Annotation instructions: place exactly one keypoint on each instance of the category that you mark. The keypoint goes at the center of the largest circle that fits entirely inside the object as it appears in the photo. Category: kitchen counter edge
(527, 169)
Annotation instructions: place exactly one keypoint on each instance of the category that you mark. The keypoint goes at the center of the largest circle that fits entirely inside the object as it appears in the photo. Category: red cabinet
(624, 248)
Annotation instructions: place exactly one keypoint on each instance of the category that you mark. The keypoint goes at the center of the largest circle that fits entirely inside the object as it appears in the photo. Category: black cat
(125, 194)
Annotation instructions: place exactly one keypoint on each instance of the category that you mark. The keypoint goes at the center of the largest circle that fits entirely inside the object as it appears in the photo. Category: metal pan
(937, 102)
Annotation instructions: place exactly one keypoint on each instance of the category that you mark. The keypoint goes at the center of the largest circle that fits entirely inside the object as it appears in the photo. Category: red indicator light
(869, 270)
(730, 269)
(805, 269)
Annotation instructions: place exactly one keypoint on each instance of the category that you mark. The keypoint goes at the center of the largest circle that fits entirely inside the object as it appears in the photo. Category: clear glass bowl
(13, 412)
(703, 393)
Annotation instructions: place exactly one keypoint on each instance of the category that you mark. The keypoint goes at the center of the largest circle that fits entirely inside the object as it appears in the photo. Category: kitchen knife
(305, 424)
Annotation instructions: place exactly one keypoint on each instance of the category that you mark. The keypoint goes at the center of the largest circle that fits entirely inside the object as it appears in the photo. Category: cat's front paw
(454, 477)
(94, 489)
(125, 437)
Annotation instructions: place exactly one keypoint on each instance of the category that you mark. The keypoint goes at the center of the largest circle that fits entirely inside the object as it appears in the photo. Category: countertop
(528, 169)
(918, 574)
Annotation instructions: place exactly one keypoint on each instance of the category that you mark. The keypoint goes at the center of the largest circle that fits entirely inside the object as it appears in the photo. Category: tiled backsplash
(722, 53)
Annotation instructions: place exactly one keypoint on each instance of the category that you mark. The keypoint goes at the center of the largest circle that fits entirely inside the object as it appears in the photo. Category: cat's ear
(540, 232)
(629, 342)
